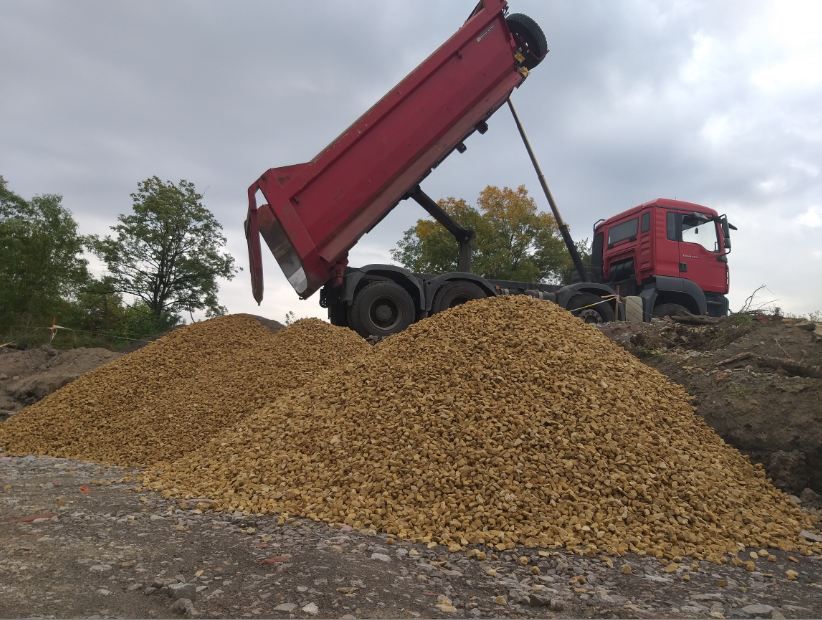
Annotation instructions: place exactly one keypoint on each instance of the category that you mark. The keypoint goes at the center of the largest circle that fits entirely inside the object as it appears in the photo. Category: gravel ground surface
(82, 540)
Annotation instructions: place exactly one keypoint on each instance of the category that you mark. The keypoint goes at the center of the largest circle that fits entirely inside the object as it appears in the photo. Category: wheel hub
(384, 313)
(589, 315)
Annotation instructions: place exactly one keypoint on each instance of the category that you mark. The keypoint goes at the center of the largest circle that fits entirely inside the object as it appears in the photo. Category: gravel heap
(174, 394)
(502, 422)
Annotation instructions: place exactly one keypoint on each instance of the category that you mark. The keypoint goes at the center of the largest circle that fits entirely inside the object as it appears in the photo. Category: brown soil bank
(757, 380)
(29, 375)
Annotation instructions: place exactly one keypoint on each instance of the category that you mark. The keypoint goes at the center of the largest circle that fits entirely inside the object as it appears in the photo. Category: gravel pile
(174, 394)
(502, 422)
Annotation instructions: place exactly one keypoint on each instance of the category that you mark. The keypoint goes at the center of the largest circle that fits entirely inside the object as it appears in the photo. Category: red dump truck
(669, 255)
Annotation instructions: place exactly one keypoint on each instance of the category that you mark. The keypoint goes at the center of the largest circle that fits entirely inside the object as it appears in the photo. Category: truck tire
(586, 307)
(456, 293)
(338, 314)
(663, 310)
(380, 309)
(529, 37)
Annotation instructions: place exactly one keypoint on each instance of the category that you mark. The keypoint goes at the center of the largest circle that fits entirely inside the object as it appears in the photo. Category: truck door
(701, 257)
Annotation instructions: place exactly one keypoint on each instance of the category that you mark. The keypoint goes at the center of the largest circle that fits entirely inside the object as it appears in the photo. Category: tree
(41, 257)
(168, 252)
(513, 240)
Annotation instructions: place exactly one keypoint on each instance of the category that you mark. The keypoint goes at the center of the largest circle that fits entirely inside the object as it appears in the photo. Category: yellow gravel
(501, 422)
(174, 394)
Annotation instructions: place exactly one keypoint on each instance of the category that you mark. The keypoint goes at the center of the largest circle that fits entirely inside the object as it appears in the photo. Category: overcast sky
(718, 103)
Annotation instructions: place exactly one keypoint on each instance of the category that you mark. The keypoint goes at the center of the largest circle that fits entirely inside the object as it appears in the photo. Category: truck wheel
(529, 37)
(380, 309)
(663, 310)
(586, 307)
(455, 293)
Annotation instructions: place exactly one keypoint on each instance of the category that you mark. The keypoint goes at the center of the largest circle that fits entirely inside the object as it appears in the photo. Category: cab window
(621, 232)
(698, 230)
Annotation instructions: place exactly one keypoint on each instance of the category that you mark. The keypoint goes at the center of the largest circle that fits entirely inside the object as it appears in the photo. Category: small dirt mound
(502, 422)
(172, 395)
(29, 375)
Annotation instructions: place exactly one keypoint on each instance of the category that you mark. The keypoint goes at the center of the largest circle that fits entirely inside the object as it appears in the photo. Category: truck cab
(670, 252)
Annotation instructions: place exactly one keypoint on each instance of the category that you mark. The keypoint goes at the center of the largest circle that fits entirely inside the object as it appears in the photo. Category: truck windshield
(697, 230)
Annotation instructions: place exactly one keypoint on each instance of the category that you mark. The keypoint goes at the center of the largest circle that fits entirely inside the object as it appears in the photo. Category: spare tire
(529, 37)
(591, 308)
(456, 293)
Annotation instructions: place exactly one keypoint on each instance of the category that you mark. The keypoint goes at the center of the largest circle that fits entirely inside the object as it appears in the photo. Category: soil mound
(502, 422)
(29, 375)
(172, 395)
(756, 379)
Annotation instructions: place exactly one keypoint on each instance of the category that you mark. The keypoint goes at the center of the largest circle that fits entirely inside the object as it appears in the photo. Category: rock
(183, 606)
(103, 592)
(694, 610)
(310, 609)
(518, 597)
(543, 600)
(381, 557)
(626, 569)
(182, 590)
(658, 579)
(810, 536)
(100, 568)
(286, 607)
(811, 497)
(707, 596)
(757, 610)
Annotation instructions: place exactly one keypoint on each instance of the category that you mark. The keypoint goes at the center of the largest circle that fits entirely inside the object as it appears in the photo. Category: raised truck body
(669, 255)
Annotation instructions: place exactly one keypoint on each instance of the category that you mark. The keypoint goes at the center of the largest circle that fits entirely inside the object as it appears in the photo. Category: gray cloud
(713, 103)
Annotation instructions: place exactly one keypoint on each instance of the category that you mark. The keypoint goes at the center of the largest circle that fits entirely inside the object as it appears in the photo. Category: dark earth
(755, 378)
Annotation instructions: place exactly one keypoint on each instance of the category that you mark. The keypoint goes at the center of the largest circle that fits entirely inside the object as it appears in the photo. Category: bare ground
(80, 540)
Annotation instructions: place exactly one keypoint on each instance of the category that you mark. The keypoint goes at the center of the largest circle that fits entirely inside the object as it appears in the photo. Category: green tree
(168, 252)
(41, 258)
(513, 240)
(97, 309)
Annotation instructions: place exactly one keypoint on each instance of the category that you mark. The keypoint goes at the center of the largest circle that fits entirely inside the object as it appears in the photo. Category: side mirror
(726, 229)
